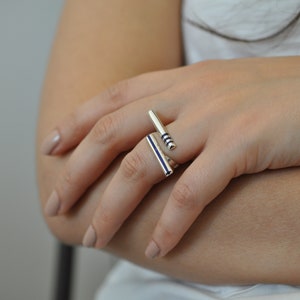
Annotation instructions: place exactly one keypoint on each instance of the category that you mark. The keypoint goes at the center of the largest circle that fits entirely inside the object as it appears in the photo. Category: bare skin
(243, 236)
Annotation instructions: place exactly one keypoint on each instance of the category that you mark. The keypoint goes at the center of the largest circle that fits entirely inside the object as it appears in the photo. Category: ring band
(164, 161)
(165, 136)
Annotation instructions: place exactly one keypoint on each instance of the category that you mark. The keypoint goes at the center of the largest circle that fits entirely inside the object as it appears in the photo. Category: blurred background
(27, 250)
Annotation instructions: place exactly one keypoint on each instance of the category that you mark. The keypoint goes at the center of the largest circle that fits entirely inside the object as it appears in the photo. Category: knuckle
(207, 64)
(167, 235)
(71, 181)
(68, 178)
(117, 93)
(105, 130)
(72, 119)
(74, 125)
(183, 197)
(107, 217)
(133, 166)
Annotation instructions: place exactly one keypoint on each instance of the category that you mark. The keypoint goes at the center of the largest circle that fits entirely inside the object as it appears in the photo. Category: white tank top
(242, 19)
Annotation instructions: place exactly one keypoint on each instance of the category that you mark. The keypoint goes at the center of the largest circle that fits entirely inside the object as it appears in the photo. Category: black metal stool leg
(64, 272)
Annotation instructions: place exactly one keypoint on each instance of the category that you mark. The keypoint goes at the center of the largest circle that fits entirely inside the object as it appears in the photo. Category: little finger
(203, 180)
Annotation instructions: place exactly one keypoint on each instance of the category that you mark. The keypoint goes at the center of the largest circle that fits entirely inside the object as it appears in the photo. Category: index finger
(71, 131)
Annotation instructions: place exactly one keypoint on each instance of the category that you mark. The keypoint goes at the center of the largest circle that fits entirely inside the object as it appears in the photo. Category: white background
(27, 250)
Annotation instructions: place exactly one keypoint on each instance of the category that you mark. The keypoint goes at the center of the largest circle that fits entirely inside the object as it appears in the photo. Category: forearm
(248, 235)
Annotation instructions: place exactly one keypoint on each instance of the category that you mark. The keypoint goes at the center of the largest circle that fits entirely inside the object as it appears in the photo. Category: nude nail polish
(50, 143)
(89, 239)
(52, 205)
(152, 250)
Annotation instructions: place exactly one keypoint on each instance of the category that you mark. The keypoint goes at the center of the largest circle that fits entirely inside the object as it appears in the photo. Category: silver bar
(165, 136)
(160, 156)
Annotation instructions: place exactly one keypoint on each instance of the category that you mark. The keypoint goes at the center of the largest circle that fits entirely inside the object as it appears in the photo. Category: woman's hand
(226, 117)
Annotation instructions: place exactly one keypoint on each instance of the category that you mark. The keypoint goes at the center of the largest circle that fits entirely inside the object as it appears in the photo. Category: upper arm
(101, 42)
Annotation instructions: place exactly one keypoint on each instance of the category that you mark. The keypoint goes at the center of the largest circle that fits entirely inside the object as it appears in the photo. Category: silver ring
(164, 161)
(165, 136)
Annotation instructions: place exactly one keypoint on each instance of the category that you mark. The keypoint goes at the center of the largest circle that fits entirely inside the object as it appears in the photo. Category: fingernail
(89, 239)
(50, 143)
(52, 205)
(152, 250)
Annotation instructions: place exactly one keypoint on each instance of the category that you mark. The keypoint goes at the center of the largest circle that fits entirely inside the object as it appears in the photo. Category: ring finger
(111, 135)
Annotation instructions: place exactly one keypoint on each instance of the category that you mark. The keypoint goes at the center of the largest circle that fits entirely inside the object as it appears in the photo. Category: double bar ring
(165, 136)
(167, 164)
